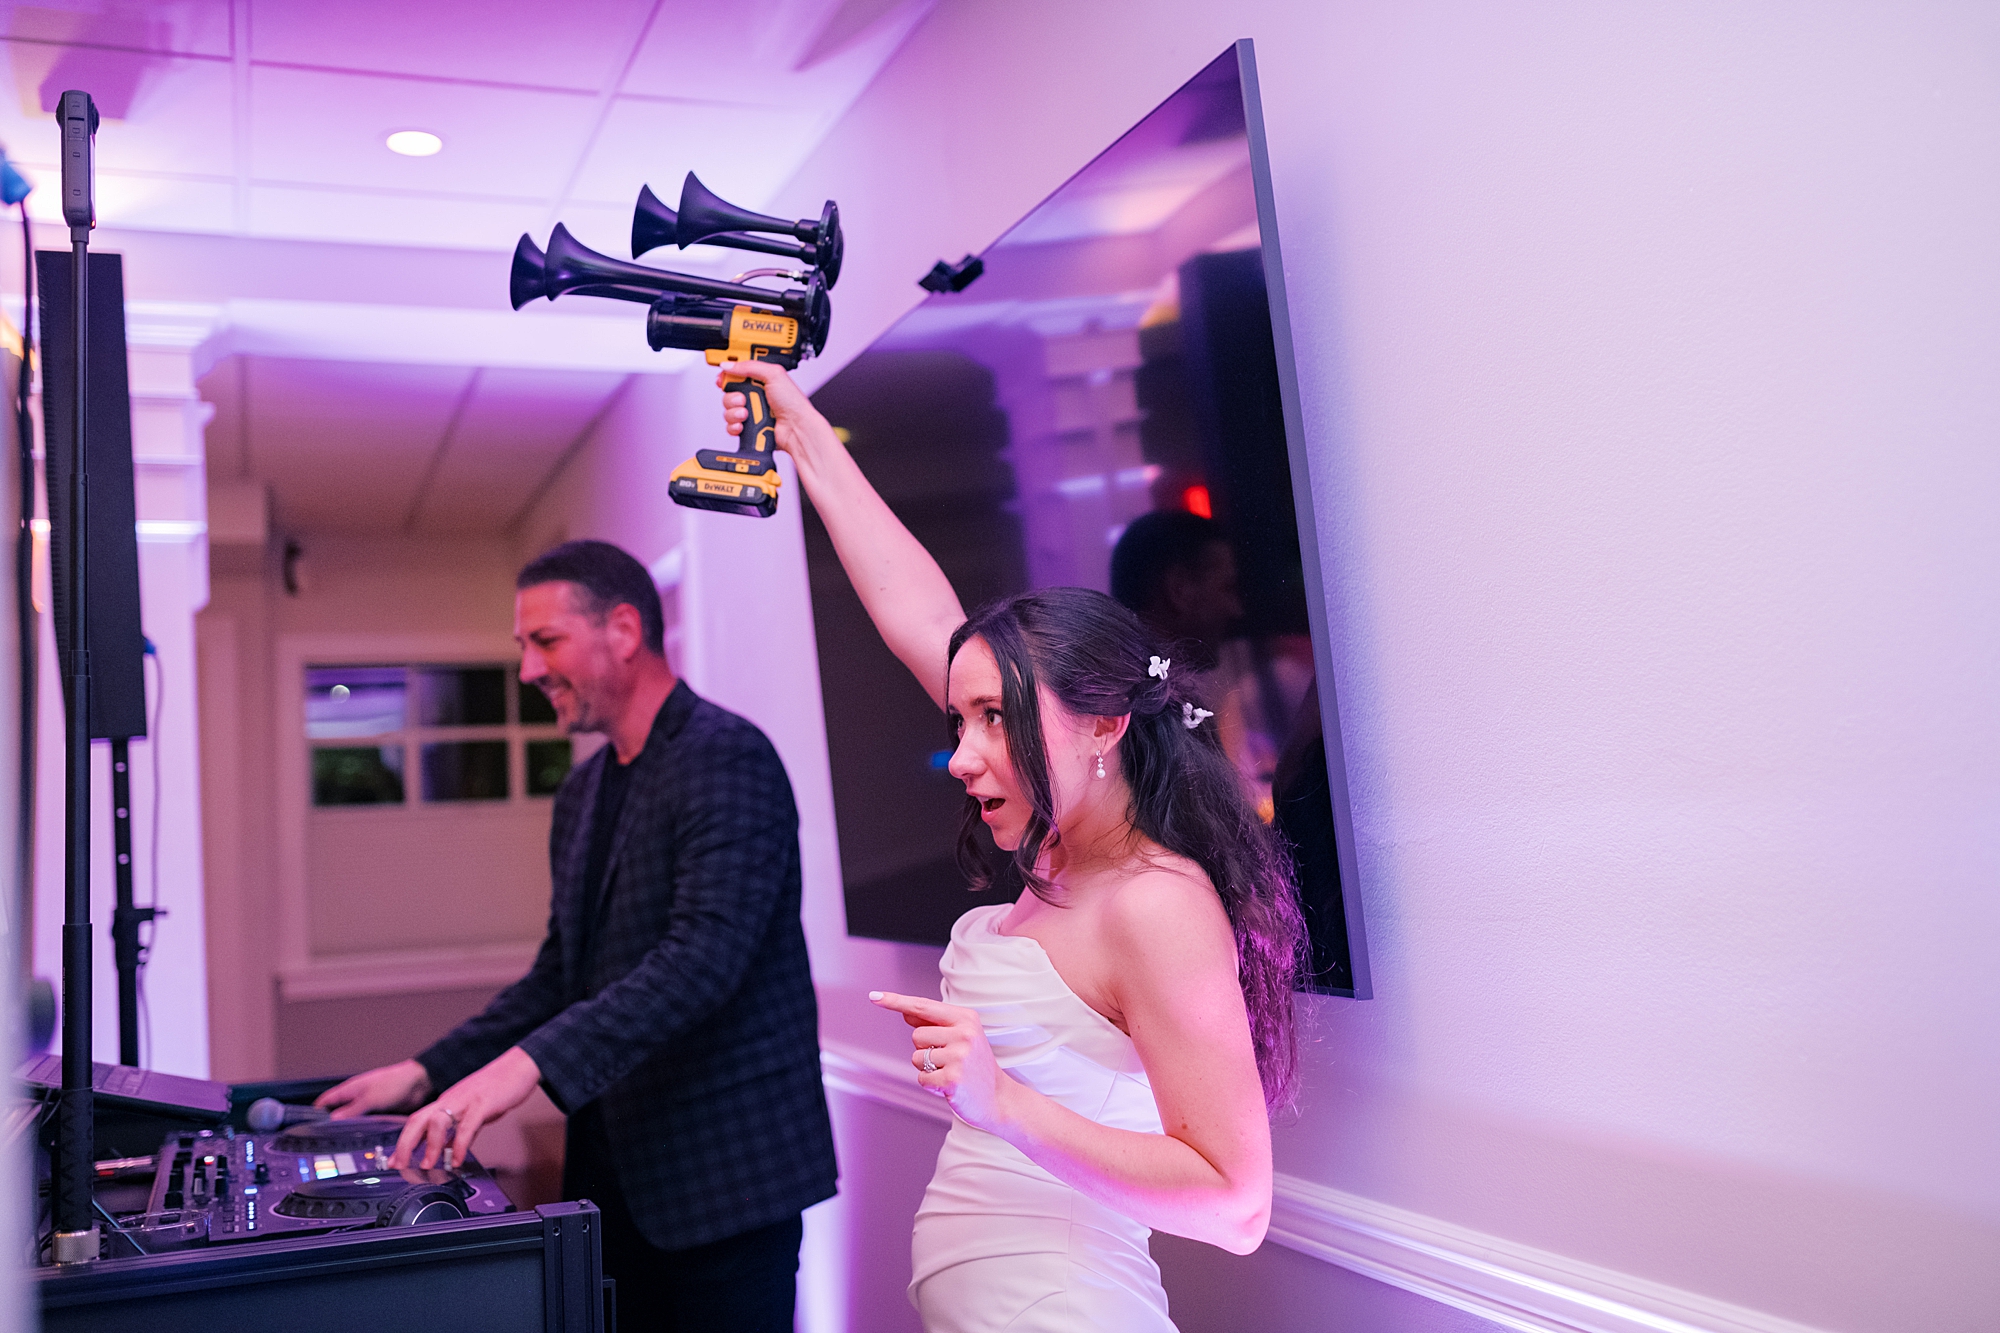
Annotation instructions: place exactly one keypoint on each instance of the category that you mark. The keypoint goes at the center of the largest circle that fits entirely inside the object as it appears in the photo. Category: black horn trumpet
(529, 280)
(706, 217)
(653, 223)
(569, 267)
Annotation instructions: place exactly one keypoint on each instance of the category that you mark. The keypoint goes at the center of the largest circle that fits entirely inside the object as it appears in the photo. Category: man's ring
(929, 1066)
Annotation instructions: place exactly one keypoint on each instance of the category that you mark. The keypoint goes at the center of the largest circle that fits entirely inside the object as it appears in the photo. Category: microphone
(268, 1113)
(78, 115)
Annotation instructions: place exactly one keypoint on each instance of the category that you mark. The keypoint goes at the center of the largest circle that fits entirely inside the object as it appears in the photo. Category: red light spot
(1195, 500)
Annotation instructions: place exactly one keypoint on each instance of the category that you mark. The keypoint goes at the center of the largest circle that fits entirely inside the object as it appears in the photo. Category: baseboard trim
(1515, 1286)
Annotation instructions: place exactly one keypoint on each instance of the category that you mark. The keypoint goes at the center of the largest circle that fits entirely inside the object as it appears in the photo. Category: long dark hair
(1093, 656)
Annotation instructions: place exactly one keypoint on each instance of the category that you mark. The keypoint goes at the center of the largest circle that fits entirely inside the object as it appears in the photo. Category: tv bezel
(1298, 452)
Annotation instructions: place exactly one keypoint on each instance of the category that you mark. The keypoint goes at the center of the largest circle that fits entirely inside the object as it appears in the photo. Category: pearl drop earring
(1100, 763)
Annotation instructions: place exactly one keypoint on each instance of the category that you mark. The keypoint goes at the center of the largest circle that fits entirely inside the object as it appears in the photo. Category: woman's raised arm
(907, 595)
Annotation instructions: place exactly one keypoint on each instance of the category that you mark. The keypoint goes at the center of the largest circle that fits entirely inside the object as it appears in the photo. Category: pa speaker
(117, 641)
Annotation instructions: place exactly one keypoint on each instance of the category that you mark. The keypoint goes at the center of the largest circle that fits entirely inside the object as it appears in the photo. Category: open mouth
(989, 804)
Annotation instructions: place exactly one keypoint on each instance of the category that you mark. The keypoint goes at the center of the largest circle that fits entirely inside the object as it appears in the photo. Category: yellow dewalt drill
(744, 480)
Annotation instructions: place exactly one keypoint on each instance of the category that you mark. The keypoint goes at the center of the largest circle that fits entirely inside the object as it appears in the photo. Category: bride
(1112, 1042)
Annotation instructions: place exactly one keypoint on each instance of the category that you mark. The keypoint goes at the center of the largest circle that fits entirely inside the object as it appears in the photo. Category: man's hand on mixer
(402, 1086)
(442, 1133)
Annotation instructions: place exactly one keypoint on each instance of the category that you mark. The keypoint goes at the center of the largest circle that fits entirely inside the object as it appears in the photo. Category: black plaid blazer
(693, 1024)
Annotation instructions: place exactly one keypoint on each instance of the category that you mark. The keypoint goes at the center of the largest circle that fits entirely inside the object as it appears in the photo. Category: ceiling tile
(811, 59)
(580, 44)
(195, 27)
(805, 53)
(301, 213)
(514, 430)
(789, 44)
(315, 128)
(514, 405)
(162, 113)
(678, 57)
(152, 203)
(344, 445)
(645, 141)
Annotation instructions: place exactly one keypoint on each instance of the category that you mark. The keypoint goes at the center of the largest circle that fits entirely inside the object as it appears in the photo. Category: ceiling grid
(243, 153)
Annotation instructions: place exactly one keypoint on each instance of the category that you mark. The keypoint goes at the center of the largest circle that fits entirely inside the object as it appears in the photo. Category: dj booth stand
(511, 1273)
(516, 1273)
(520, 1272)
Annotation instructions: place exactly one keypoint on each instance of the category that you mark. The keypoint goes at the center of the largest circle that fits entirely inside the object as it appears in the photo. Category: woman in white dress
(1112, 1042)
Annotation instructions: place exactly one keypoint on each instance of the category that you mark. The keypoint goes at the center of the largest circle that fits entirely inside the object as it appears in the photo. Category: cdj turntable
(219, 1186)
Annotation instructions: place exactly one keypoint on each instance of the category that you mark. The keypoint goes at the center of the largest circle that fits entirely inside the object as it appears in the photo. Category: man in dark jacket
(670, 1012)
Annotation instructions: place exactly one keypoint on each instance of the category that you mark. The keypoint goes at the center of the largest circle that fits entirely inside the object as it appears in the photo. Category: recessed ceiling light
(414, 143)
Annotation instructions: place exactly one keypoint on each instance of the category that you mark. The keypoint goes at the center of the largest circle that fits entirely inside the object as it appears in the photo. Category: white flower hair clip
(1159, 667)
(1193, 716)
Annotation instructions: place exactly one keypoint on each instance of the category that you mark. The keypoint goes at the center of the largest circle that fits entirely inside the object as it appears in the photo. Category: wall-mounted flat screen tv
(1110, 404)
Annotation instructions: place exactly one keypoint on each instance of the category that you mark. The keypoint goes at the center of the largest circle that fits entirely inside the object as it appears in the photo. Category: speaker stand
(126, 917)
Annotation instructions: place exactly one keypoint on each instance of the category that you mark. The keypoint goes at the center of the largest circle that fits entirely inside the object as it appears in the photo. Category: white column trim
(1515, 1286)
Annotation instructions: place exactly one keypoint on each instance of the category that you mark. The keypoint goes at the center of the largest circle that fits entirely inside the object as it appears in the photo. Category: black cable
(26, 623)
(153, 860)
(153, 744)
(116, 1229)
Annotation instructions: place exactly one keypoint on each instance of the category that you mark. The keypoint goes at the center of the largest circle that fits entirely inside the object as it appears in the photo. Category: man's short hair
(606, 576)
(1153, 544)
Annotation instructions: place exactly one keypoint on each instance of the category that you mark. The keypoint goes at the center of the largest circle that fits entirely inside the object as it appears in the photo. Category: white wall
(1646, 363)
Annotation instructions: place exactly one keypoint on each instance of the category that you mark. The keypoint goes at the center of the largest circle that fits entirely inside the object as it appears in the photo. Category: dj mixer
(222, 1186)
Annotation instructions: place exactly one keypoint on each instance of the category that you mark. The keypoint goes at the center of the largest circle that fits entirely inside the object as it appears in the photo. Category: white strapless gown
(1000, 1244)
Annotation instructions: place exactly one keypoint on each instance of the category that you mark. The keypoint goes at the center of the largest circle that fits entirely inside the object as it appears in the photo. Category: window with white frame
(419, 734)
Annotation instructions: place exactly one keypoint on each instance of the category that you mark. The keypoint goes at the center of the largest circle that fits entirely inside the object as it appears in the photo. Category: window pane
(352, 701)
(548, 765)
(465, 771)
(357, 774)
(462, 696)
(535, 706)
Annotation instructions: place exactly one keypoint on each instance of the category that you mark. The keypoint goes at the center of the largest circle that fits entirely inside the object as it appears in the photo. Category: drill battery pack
(728, 483)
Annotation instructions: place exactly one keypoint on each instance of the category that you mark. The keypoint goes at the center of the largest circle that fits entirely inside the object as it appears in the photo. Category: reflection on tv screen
(1101, 409)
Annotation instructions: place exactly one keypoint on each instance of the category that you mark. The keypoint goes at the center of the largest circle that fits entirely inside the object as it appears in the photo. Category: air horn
(703, 218)
(571, 267)
(726, 321)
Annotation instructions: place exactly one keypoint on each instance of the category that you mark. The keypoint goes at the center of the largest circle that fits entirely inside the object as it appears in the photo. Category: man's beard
(584, 717)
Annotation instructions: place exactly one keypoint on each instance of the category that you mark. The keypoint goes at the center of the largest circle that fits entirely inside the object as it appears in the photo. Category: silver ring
(929, 1067)
(450, 1115)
